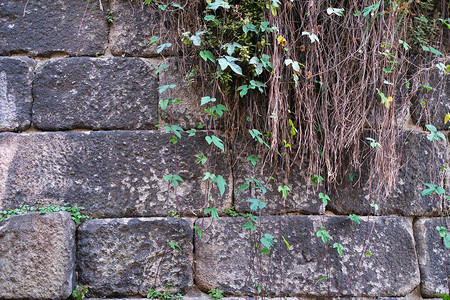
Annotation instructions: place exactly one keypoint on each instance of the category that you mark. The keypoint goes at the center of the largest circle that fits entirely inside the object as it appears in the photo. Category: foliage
(215, 294)
(152, 294)
(74, 211)
(80, 292)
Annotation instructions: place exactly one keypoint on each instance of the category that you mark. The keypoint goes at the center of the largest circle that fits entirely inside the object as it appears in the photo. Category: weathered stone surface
(111, 173)
(302, 197)
(134, 26)
(187, 113)
(45, 27)
(434, 260)
(16, 76)
(128, 257)
(224, 257)
(437, 101)
(420, 163)
(105, 93)
(37, 256)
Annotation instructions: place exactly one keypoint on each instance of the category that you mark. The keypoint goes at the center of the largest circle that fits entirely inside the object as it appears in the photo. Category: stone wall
(78, 107)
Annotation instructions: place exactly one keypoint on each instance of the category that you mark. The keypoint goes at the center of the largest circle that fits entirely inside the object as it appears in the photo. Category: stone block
(16, 77)
(127, 257)
(433, 256)
(52, 26)
(90, 93)
(110, 173)
(37, 256)
(302, 197)
(437, 101)
(188, 113)
(227, 259)
(421, 162)
(134, 26)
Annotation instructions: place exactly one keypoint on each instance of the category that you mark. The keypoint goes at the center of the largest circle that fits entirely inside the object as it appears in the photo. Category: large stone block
(420, 163)
(302, 197)
(128, 257)
(436, 102)
(434, 260)
(187, 113)
(226, 257)
(110, 173)
(16, 77)
(37, 256)
(134, 26)
(45, 27)
(106, 93)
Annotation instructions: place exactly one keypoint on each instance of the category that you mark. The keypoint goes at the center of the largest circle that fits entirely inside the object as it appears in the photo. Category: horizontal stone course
(433, 256)
(224, 257)
(110, 173)
(16, 77)
(37, 256)
(128, 257)
(420, 163)
(52, 26)
(91, 93)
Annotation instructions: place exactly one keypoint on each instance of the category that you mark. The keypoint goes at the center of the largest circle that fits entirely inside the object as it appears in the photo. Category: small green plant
(74, 211)
(215, 294)
(80, 292)
(152, 294)
(109, 16)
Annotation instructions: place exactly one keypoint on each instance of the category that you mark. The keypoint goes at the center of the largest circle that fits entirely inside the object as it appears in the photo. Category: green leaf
(153, 40)
(287, 244)
(217, 4)
(405, 45)
(431, 49)
(427, 87)
(213, 211)
(205, 54)
(323, 234)
(249, 225)
(369, 9)
(221, 184)
(325, 198)
(207, 99)
(161, 67)
(355, 218)
(174, 245)
(267, 240)
(253, 160)
(320, 279)
(340, 249)
(316, 179)
(219, 109)
(199, 231)
(243, 187)
(284, 190)
(196, 39)
(161, 47)
(201, 159)
(249, 27)
(176, 5)
(209, 17)
(164, 88)
(217, 141)
(229, 61)
(256, 204)
(243, 89)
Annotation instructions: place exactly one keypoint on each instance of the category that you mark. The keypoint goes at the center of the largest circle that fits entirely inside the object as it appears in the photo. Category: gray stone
(302, 197)
(16, 77)
(226, 257)
(128, 257)
(421, 162)
(37, 256)
(51, 26)
(110, 173)
(90, 93)
(434, 257)
(187, 113)
(437, 101)
(134, 26)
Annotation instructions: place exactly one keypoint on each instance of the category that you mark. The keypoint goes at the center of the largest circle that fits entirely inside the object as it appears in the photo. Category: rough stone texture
(223, 258)
(37, 256)
(421, 162)
(134, 26)
(437, 101)
(187, 113)
(302, 197)
(434, 259)
(46, 27)
(106, 93)
(16, 76)
(112, 174)
(127, 257)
